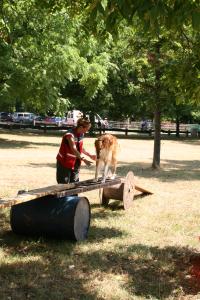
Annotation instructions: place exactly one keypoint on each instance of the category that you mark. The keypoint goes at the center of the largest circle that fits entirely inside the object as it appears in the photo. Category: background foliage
(123, 59)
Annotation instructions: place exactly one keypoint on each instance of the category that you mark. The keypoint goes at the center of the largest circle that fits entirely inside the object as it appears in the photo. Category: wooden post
(45, 128)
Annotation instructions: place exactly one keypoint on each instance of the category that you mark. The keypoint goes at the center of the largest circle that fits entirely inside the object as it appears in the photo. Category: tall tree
(155, 17)
(43, 47)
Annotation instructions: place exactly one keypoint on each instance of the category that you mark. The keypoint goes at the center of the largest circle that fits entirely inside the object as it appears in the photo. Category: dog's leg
(114, 167)
(113, 175)
(97, 170)
(105, 172)
(99, 166)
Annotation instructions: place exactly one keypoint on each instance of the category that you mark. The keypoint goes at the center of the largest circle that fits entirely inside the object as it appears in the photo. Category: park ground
(150, 251)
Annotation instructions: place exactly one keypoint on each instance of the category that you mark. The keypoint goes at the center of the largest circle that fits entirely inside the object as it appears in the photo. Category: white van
(74, 115)
(23, 117)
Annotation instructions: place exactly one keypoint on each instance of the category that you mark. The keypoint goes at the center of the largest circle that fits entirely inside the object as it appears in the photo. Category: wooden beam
(59, 190)
(142, 190)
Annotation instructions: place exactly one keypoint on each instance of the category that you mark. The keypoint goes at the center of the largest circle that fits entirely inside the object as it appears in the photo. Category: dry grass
(142, 253)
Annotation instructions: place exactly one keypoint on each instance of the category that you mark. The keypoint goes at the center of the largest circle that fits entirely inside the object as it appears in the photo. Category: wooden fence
(121, 127)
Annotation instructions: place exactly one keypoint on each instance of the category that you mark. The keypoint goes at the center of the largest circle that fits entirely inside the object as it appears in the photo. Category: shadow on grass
(151, 271)
(41, 279)
(193, 142)
(41, 268)
(39, 165)
(107, 210)
(12, 144)
(172, 170)
(182, 139)
(33, 132)
(96, 234)
(50, 269)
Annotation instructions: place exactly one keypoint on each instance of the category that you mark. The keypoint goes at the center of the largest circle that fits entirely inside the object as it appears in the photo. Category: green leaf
(104, 4)
(196, 20)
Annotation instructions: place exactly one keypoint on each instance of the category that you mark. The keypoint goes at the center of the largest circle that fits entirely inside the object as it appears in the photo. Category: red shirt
(65, 155)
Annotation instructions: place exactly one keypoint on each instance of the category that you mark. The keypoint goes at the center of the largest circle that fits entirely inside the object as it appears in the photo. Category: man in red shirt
(70, 153)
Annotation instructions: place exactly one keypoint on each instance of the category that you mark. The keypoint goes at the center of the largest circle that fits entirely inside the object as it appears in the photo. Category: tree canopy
(138, 58)
(42, 50)
(47, 45)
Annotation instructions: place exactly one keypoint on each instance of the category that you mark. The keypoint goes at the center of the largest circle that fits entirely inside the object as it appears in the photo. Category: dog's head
(104, 142)
(107, 141)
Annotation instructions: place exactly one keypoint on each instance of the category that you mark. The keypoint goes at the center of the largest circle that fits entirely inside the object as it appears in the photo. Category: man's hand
(93, 157)
(87, 162)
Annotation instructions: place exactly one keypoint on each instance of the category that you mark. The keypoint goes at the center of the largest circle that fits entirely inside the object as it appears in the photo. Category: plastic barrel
(65, 217)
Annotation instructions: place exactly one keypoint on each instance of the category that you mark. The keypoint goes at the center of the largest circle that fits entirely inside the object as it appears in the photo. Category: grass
(145, 252)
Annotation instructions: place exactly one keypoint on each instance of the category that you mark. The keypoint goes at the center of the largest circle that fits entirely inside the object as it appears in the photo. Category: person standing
(70, 156)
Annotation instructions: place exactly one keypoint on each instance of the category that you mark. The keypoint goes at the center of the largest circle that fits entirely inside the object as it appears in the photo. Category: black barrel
(65, 217)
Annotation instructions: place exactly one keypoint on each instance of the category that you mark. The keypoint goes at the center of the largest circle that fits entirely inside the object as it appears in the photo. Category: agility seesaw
(58, 211)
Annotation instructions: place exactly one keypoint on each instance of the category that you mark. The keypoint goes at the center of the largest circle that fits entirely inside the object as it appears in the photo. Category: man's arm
(76, 153)
(93, 157)
(72, 146)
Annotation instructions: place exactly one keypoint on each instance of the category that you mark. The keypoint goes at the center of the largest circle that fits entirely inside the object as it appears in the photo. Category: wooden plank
(34, 194)
(90, 187)
(144, 191)
(59, 190)
(50, 189)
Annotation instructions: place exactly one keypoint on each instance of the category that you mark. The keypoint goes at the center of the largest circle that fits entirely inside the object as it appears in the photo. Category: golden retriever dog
(106, 155)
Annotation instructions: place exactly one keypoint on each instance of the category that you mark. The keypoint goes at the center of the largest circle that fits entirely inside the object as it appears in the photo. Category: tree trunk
(157, 138)
(157, 112)
(177, 125)
(92, 120)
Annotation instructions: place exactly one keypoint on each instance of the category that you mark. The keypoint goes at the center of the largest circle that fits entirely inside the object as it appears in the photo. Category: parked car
(54, 120)
(5, 117)
(72, 117)
(23, 117)
(39, 118)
